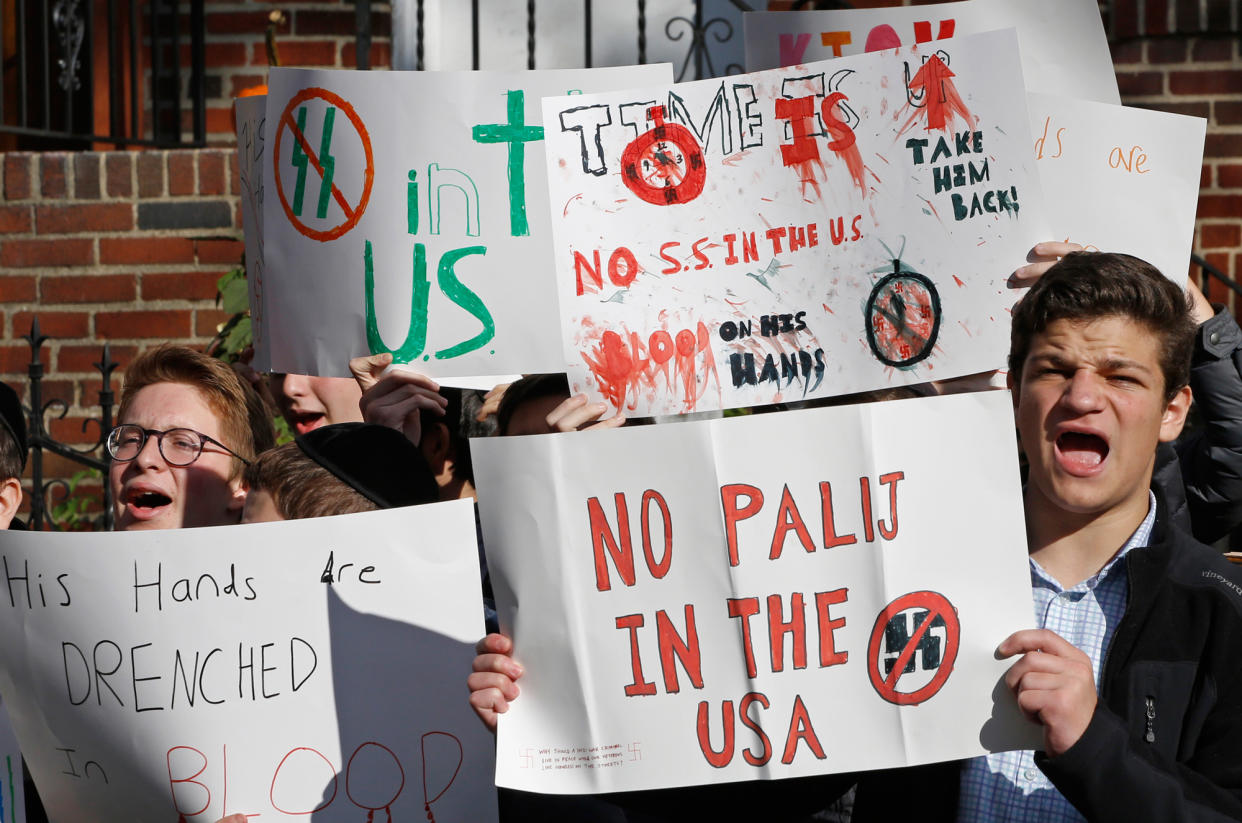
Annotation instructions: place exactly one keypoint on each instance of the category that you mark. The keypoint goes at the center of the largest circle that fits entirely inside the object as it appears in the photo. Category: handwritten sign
(1064, 48)
(414, 228)
(250, 157)
(831, 228)
(195, 673)
(748, 598)
(1119, 178)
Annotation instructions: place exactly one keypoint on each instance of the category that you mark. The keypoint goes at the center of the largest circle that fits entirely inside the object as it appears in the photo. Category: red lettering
(842, 134)
(641, 686)
(788, 517)
(800, 112)
(864, 484)
(674, 265)
(602, 537)
(174, 781)
(777, 629)
(745, 608)
(833, 40)
(722, 758)
(658, 570)
(742, 709)
(349, 774)
(891, 479)
(331, 772)
(831, 538)
(800, 728)
(685, 652)
(619, 277)
(828, 654)
(729, 495)
(593, 272)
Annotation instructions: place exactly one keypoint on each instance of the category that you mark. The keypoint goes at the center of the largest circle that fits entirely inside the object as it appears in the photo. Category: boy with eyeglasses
(187, 427)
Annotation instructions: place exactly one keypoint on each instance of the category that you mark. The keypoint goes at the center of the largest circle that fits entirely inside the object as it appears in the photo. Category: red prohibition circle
(937, 605)
(368, 173)
(664, 166)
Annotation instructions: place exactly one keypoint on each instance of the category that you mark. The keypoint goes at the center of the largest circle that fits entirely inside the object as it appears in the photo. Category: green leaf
(234, 295)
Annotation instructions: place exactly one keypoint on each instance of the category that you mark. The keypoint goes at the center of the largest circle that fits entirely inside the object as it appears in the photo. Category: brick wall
(314, 33)
(122, 247)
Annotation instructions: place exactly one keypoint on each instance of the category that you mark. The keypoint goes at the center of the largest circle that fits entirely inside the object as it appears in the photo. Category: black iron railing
(51, 94)
(43, 492)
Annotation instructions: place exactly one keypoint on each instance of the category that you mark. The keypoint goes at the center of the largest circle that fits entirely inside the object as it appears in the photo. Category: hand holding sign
(1053, 683)
(492, 682)
(398, 398)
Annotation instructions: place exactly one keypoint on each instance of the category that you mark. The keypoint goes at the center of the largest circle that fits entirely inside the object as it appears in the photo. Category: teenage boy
(1133, 671)
(187, 427)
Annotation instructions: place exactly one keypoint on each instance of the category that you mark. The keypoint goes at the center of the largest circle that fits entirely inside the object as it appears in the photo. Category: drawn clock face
(903, 319)
(664, 166)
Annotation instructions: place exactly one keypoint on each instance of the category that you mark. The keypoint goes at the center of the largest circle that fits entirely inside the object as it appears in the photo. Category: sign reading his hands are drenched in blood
(817, 230)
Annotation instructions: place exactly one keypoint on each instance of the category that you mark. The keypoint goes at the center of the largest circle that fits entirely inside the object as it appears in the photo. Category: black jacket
(1177, 650)
(1203, 473)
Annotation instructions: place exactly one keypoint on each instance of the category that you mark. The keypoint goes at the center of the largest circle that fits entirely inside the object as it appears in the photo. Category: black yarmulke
(12, 418)
(376, 461)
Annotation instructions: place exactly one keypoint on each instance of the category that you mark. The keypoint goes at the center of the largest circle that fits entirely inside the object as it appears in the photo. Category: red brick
(72, 359)
(1228, 113)
(381, 54)
(95, 288)
(1166, 51)
(86, 176)
(120, 325)
(1223, 145)
(208, 321)
(1156, 17)
(14, 219)
(118, 166)
(300, 53)
(1140, 83)
(1125, 21)
(150, 174)
(1195, 109)
(1214, 81)
(80, 218)
(40, 252)
(1219, 260)
(242, 82)
(146, 250)
(190, 285)
(1218, 236)
(1211, 50)
(254, 22)
(211, 172)
(234, 174)
(62, 324)
(17, 176)
(1187, 17)
(220, 121)
(180, 173)
(16, 288)
(15, 358)
(220, 251)
(1229, 177)
(1126, 51)
(1220, 205)
(52, 175)
(73, 430)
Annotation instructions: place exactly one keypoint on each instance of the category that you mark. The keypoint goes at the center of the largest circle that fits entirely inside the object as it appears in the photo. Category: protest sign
(832, 228)
(1120, 179)
(406, 212)
(250, 130)
(1064, 48)
(12, 788)
(310, 667)
(758, 597)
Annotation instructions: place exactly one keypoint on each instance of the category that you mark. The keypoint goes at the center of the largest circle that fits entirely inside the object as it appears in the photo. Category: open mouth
(1080, 452)
(147, 501)
(306, 421)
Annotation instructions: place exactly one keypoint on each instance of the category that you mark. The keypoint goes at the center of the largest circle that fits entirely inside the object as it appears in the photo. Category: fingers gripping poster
(189, 674)
(747, 598)
(405, 212)
(1122, 179)
(824, 229)
(1064, 48)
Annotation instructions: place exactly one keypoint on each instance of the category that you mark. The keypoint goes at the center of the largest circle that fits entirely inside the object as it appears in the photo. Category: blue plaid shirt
(1008, 786)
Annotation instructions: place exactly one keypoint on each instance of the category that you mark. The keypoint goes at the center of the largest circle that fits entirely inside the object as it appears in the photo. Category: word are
(741, 501)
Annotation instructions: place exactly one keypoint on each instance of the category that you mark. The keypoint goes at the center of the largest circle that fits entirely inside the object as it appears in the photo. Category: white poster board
(204, 672)
(250, 129)
(837, 227)
(407, 213)
(1064, 47)
(12, 776)
(645, 573)
(1120, 179)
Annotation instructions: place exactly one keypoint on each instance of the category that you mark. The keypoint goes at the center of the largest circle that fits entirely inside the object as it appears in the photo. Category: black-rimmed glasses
(179, 447)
